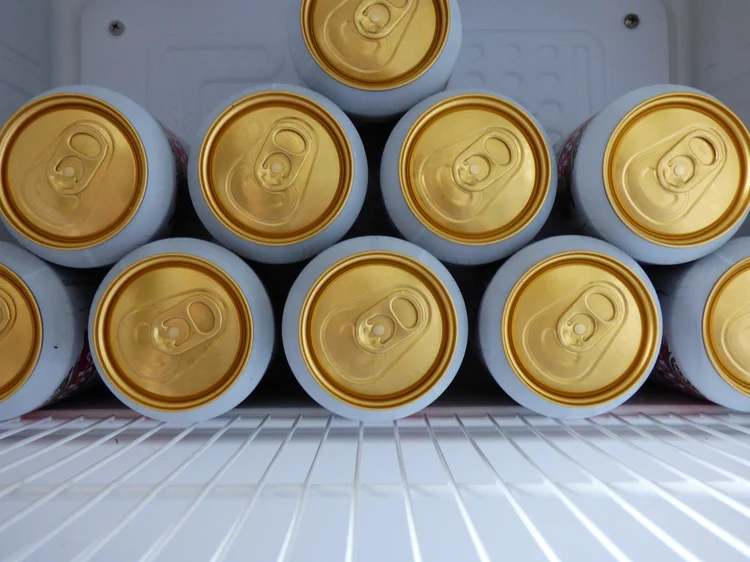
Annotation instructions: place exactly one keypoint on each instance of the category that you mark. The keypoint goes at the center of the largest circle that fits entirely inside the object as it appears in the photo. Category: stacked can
(86, 176)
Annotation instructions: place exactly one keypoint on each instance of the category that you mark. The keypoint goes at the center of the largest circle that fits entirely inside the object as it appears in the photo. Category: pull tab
(283, 154)
(587, 321)
(694, 158)
(6, 315)
(736, 339)
(186, 325)
(82, 149)
(495, 154)
(374, 19)
(391, 321)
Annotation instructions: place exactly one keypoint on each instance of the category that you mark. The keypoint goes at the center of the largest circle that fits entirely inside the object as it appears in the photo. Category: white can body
(492, 310)
(64, 365)
(684, 362)
(304, 249)
(416, 232)
(381, 103)
(166, 159)
(580, 166)
(262, 318)
(296, 301)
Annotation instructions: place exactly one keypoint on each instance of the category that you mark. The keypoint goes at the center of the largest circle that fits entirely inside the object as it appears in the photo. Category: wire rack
(453, 485)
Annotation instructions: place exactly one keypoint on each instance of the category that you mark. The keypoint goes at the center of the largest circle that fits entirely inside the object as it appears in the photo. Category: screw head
(116, 28)
(632, 21)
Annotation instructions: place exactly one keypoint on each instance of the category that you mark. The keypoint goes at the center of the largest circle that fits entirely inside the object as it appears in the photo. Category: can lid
(73, 171)
(276, 168)
(378, 330)
(173, 332)
(726, 325)
(676, 170)
(475, 169)
(580, 329)
(375, 44)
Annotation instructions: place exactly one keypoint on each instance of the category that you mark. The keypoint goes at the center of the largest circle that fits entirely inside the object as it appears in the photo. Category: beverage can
(374, 328)
(43, 346)
(661, 173)
(181, 330)
(469, 175)
(706, 306)
(279, 174)
(86, 176)
(570, 327)
(375, 58)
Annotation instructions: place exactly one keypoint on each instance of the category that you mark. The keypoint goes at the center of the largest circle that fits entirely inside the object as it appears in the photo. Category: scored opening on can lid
(475, 169)
(73, 171)
(580, 329)
(20, 333)
(726, 326)
(378, 330)
(375, 44)
(276, 168)
(173, 332)
(676, 170)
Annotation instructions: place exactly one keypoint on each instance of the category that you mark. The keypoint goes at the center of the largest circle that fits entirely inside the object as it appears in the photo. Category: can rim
(650, 340)
(63, 101)
(16, 382)
(534, 136)
(118, 377)
(732, 126)
(255, 102)
(740, 384)
(442, 30)
(439, 367)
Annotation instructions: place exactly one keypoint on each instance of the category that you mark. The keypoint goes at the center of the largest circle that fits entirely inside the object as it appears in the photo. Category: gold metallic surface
(676, 170)
(375, 44)
(20, 333)
(276, 168)
(726, 326)
(73, 171)
(378, 330)
(173, 332)
(580, 329)
(475, 169)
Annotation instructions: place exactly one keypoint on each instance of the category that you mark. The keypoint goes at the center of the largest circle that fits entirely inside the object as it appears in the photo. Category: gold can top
(375, 44)
(475, 169)
(726, 326)
(676, 170)
(580, 329)
(20, 333)
(378, 330)
(276, 168)
(173, 332)
(73, 171)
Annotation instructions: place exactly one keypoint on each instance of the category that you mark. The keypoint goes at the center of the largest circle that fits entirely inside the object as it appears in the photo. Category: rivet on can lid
(276, 168)
(726, 326)
(579, 329)
(20, 333)
(173, 332)
(375, 44)
(676, 170)
(73, 171)
(475, 169)
(378, 330)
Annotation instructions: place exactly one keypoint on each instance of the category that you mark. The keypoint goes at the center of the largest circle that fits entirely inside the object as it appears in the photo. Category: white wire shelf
(472, 484)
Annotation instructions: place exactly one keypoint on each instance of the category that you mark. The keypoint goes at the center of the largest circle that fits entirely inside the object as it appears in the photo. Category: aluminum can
(278, 174)
(86, 176)
(570, 327)
(375, 58)
(468, 175)
(662, 173)
(181, 330)
(374, 329)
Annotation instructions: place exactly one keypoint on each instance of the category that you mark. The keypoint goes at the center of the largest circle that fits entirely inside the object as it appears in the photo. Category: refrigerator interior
(474, 477)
